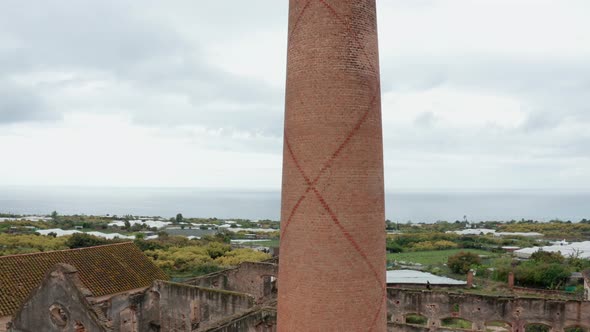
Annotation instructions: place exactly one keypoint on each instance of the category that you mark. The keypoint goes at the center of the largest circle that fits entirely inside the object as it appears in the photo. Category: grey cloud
(65, 34)
(551, 90)
(481, 71)
(426, 119)
(564, 141)
(122, 39)
(20, 104)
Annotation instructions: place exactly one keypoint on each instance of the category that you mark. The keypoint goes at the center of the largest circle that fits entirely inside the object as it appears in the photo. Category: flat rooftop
(419, 277)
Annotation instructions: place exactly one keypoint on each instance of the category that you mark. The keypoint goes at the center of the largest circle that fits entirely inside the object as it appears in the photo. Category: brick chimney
(332, 263)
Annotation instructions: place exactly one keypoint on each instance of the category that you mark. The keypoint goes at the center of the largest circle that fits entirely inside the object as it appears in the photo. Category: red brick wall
(332, 264)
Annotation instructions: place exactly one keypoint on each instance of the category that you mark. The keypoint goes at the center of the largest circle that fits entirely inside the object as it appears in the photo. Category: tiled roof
(104, 270)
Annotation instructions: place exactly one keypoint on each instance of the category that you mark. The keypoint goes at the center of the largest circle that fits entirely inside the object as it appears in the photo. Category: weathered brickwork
(515, 312)
(332, 267)
(254, 278)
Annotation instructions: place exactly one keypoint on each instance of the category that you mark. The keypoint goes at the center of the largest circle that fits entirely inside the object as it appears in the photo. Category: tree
(539, 274)
(179, 218)
(392, 246)
(54, 216)
(463, 261)
(548, 257)
(82, 240)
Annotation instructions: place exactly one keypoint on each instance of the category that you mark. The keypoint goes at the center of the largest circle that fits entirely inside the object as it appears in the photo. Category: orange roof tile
(104, 270)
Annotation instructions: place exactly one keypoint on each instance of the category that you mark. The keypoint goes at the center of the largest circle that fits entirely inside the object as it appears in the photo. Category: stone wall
(168, 306)
(58, 305)
(518, 312)
(3, 323)
(258, 320)
(63, 304)
(184, 307)
(254, 278)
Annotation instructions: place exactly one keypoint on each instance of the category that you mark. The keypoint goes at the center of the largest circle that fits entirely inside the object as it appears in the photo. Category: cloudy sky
(476, 94)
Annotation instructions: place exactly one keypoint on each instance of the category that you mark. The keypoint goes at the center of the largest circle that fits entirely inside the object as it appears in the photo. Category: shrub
(393, 247)
(83, 240)
(462, 262)
(535, 274)
(547, 257)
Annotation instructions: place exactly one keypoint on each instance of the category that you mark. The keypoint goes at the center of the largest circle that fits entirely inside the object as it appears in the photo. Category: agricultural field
(434, 257)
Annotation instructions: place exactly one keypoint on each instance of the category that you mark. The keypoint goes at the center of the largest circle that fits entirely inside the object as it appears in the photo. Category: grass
(457, 323)
(537, 328)
(416, 319)
(433, 257)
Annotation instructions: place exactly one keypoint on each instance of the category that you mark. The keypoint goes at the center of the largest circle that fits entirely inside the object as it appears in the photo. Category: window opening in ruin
(58, 314)
(457, 323)
(269, 285)
(416, 319)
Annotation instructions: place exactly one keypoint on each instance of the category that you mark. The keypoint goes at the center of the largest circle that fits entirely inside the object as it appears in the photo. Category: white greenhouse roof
(61, 232)
(148, 223)
(582, 249)
(478, 231)
(419, 277)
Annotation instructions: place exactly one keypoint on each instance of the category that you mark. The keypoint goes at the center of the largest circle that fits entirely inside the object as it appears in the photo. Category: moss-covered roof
(104, 270)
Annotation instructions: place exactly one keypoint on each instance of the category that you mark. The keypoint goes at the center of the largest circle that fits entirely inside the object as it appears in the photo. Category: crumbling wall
(258, 320)
(482, 309)
(181, 307)
(123, 311)
(58, 305)
(254, 278)
(3, 323)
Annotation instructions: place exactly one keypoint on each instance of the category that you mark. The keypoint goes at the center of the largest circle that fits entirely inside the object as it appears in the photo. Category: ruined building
(105, 271)
(239, 299)
(116, 288)
(332, 266)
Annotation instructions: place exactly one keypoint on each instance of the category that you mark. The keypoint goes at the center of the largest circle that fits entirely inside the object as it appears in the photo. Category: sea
(402, 206)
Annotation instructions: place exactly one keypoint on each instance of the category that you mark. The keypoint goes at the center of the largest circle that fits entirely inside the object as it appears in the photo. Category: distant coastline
(414, 205)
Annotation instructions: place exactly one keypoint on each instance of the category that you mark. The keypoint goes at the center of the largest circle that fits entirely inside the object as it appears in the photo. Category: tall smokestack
(332, 261)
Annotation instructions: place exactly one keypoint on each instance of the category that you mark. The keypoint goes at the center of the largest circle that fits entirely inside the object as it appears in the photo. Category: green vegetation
(11, 244)
(456, 323)
(463, 261)
(427, 244)
(575, 329)
(537, 328)
(555, 229)
(423, 241)
(176, 255)
(82, 240)
(543, 269)
(433, 257)
(183, 261)
(416, 319)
